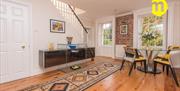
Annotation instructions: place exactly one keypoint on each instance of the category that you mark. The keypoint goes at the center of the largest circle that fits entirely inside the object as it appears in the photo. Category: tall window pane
(152, 31)
(107, 34)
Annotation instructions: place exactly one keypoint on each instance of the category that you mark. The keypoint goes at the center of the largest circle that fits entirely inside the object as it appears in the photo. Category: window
(152, 31)
(107, 34)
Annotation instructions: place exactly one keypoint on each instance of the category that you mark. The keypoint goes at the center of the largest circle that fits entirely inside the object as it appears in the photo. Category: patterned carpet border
(82, 65)
(97, 80)
(77, 85)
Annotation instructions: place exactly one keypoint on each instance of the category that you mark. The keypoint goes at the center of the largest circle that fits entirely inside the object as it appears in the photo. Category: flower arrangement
(69, 40)
(151, 38)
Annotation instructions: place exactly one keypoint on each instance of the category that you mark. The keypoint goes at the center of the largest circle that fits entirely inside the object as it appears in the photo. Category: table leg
(149, 68)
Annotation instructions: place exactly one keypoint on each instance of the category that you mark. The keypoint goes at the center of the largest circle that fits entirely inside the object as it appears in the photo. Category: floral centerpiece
(69, 40)
(151, 38)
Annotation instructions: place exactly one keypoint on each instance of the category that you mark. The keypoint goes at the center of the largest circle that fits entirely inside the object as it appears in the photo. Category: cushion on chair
(165, 56)
(174, 47)
(140, 59)
(132, 59)
(159, 60)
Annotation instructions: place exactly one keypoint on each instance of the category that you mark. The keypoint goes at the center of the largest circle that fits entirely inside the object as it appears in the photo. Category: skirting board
(178, 66)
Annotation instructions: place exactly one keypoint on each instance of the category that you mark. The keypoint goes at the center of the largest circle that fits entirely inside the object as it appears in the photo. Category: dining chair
(167, 62)
(164, 56)
(132, 55)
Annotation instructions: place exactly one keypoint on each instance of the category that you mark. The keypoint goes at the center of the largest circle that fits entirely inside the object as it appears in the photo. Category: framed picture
(57, 26)
(124, 29)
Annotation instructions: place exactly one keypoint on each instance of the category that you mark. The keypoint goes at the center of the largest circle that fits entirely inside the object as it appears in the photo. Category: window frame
(102, 33)
(165, 32)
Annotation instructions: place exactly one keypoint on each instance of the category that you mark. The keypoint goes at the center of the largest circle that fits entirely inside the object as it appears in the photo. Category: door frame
(30, 32)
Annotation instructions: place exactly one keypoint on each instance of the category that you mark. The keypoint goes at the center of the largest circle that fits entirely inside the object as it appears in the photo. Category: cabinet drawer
(55, 58)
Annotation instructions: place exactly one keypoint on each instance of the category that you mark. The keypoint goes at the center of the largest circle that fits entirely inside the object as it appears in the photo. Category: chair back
(174, 47)
(129, 52)
(170, 48)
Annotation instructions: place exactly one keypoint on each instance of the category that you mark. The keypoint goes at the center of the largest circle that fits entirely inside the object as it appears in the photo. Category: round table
(150, 55)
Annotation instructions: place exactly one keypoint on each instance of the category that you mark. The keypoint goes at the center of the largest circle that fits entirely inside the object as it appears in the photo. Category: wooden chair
(132, 56)
(164, 56)
(166, 62)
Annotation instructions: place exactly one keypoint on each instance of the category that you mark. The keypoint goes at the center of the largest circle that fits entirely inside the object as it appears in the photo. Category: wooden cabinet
(55, 58)
(52, 58)
(58, 57)
(75, 55)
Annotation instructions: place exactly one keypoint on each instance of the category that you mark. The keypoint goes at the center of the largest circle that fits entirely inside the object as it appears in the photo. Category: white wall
(177, 23)
(100, 49)
(42, 12)
(175, 10)
(90, 25)
(174, 27)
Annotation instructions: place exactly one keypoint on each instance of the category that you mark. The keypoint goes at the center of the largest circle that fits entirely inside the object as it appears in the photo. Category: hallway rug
(82, 66)
(78, 80)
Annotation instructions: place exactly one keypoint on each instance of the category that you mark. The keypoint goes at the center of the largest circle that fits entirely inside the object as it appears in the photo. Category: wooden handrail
(78, 18)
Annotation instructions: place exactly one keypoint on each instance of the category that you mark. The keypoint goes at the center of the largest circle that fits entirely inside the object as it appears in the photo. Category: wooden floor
(119, 81)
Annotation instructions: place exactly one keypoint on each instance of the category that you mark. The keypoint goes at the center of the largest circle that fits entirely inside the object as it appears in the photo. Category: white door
(14, 41)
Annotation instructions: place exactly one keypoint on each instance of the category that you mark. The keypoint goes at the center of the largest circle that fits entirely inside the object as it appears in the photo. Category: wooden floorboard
(118, 81)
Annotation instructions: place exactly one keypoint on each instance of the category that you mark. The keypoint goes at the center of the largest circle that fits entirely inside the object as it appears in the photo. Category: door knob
(23, 46)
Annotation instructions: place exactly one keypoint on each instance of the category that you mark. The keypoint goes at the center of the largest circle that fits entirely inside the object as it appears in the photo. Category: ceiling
(101, 8)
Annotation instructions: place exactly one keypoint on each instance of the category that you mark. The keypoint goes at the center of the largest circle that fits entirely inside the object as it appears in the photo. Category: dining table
(150, 54)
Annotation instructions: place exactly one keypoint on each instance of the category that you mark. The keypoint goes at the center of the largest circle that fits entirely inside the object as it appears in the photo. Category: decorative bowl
(72, 46)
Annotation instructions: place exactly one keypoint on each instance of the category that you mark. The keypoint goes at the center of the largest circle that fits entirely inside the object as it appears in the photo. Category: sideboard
(49, 58)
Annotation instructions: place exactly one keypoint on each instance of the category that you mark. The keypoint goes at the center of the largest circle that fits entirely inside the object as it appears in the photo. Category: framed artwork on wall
(57, 26)
(124, 29)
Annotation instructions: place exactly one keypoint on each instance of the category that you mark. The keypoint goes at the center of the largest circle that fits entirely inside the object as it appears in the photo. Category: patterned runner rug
(82, 65)
(78, 80)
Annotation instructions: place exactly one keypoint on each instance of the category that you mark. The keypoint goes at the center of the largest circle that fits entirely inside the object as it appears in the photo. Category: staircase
(67, 11)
